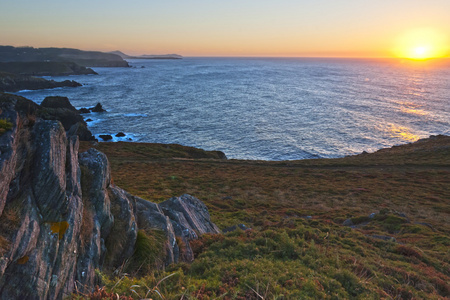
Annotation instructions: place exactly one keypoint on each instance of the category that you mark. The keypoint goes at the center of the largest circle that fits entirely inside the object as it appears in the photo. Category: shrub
(349, 282)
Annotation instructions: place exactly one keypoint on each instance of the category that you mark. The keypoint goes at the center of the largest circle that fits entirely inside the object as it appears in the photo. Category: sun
(421, 44)
(420, 53)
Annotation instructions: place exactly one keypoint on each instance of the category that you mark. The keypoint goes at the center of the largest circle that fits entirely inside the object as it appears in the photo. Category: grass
(298, 247)
(4, 126)
(148, 252)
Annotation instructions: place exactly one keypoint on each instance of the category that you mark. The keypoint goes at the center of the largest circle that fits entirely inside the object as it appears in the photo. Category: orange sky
(340, 28)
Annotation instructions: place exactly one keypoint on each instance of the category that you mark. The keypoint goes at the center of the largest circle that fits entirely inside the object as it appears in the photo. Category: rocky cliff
(62, 217)
(45, 68)
(12, 83)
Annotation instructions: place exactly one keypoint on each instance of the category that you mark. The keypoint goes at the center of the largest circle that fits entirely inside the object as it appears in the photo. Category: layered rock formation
(12, 83)
(61, 216)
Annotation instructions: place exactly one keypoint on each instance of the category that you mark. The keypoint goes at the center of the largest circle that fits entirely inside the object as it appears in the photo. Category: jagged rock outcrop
(61, 217)
(98, 108)
(12, 83)
(60, 109)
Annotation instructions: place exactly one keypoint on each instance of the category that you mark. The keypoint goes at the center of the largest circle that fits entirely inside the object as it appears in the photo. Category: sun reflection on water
(397, 131)
(419, 112)
(412, 108)
(416, 95)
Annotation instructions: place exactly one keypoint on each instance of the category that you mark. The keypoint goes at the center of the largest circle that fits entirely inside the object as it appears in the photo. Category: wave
(93, 121)
(135, 115)
(127, 138)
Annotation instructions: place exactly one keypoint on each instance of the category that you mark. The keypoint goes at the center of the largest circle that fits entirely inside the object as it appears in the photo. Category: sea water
(267, 108)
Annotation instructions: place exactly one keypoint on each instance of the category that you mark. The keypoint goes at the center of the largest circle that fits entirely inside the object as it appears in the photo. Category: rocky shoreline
(45, 68)
(19, 65)
(13, 83)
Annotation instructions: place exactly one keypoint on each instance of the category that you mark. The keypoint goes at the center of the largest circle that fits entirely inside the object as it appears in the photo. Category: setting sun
(421, 44)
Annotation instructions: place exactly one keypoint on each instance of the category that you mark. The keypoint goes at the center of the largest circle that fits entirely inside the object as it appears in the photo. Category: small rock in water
(105, 137)
(84, 110)
(98, 108)
(89, 120)
(120, 134)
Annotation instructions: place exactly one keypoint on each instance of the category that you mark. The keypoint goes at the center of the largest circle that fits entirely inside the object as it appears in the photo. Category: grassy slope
(289, 255)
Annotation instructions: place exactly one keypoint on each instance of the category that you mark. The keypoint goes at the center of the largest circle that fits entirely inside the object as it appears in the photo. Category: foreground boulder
(62, 218)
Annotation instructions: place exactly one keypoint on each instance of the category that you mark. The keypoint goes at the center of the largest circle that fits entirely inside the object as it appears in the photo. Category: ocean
(267, 108)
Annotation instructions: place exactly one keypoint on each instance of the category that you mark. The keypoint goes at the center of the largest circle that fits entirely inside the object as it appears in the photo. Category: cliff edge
(62, 217)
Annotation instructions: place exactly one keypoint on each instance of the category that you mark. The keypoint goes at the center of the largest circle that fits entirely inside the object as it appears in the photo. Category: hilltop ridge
(147, 56)
(80, 57)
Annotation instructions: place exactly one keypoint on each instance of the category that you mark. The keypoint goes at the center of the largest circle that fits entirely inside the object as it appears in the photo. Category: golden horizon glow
(286, 28)
(422, 44)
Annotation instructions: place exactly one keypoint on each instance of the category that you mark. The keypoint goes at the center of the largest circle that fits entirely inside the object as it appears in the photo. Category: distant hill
(80, 57)
(146, 56)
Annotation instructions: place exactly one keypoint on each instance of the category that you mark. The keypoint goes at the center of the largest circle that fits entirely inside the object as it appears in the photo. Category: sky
(293, 28)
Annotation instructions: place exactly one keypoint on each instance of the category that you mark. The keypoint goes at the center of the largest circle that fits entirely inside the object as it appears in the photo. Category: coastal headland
(80, 214)
(20, 65)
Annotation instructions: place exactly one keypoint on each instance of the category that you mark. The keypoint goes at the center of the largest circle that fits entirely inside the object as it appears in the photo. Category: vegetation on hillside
(371, 226)
(5, 125)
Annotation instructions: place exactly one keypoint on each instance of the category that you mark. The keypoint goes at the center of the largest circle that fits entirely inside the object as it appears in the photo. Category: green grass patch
(5, 125)
(149, 249)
